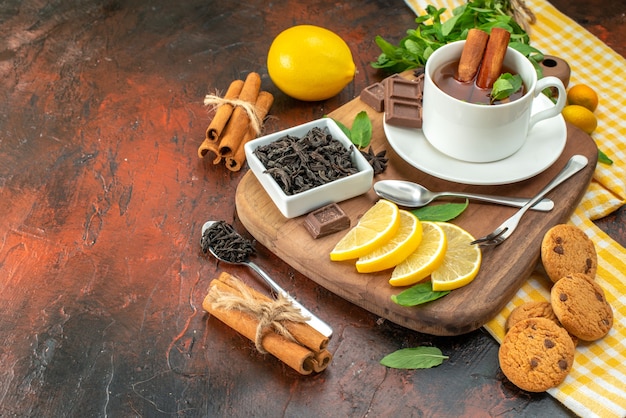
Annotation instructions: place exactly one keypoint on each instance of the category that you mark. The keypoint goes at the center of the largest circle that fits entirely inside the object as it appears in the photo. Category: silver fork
(501, 233)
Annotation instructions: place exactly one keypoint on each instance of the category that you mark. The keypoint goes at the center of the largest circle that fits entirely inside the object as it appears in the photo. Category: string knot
(270, 314)
(250, 109)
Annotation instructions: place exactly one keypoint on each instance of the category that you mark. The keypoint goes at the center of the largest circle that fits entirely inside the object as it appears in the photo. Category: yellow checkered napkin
(596, 386)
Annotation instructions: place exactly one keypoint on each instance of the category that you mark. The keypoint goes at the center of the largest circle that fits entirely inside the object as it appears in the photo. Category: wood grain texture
(503, 269)
(102, 199)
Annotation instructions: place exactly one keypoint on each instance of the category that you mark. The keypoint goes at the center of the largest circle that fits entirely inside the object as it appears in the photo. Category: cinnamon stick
(210, 147)
(321, 360)
(263, 103)
(301, 358)
(302, 332)
(240, 120)
(219, 121)
(294, 355)
(491, 67)
(472, 55)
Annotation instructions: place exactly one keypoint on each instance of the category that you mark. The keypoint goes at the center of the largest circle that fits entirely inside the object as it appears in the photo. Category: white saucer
(542, 148)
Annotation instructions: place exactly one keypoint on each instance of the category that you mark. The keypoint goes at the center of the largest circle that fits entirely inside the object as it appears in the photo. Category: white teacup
(483, 133)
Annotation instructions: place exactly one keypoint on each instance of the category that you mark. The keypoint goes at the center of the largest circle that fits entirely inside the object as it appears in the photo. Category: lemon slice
(461, 262)
(402, 244)
(375, 228)
(425, 259)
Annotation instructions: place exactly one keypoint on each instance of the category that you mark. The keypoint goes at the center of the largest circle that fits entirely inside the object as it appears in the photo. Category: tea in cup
(478, 131)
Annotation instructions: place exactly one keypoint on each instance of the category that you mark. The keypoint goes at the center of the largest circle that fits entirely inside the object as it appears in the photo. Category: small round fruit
(580, 117)
(582, 95)
(310, 63)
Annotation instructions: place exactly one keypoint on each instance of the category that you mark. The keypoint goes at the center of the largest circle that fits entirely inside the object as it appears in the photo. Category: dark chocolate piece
(403, 89)
(403, 101)
(374, 96)
(326, 220)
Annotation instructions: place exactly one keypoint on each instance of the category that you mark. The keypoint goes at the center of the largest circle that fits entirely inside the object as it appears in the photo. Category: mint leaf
(414, 358)
(344, 129)
(418, 294)
(505, 85)
(361, 132)
(603, 158)
(448, 26)
(442, 213)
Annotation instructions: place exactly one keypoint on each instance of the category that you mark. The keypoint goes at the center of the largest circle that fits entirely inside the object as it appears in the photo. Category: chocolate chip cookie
(567, 249)
(536, 354)
(532, 309)
(581, 307)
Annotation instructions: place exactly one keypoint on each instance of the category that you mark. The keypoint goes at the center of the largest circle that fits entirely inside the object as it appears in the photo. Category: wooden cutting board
(504, 268)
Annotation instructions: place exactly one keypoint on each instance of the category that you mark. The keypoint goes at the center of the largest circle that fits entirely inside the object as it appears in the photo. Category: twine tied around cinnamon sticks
(270, 314)
(295, 343)
(252, 112)
(238, 119)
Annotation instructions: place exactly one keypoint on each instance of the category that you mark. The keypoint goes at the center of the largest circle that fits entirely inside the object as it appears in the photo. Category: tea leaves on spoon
(414, 358)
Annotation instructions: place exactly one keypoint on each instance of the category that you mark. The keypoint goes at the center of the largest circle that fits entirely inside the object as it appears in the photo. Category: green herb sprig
(431, 33)
(505, 85)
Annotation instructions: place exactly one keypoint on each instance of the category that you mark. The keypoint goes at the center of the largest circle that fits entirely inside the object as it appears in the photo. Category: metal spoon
(315, 322)
(413, 195)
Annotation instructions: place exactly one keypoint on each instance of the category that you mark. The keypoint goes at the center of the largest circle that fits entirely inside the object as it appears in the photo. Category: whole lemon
(582, 95)
(310, 63)
(580, 117)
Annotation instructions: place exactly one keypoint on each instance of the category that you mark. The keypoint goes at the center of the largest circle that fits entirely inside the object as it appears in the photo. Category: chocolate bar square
(326, 220)
(374, 96)
(403, 101)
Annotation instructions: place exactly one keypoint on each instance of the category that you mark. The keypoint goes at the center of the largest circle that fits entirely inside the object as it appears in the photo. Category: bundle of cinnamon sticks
(292, 340)
(483, 53)
(238, 119)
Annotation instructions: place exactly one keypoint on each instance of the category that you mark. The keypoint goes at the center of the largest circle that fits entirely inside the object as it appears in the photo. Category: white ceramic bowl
(335, 191)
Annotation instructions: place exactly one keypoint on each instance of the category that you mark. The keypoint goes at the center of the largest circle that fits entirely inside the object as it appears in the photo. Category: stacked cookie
(538, 349)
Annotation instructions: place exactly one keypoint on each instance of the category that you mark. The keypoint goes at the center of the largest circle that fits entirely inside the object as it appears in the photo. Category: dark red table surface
(102, 199)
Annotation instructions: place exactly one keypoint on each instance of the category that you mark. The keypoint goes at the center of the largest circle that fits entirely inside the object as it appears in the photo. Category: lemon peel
(375, 228)
(404, 242)
(310, 63)
(425, 259)
(461, 262)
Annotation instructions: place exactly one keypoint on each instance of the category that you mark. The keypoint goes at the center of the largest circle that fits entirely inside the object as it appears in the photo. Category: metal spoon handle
(573, 166)
(403, 193)
(315, 322)
(544, 205)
